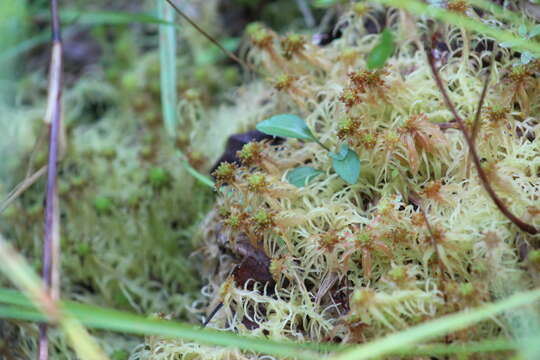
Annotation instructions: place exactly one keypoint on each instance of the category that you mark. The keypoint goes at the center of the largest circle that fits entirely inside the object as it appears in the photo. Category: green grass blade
(90, 18)
(420, 8)
(19, 307)
(485, 346)
(500, 12)
(205, 180)
(24, 46)
(432, 329)
(106, 17)
(107, 319)
(20, 313)
(15, 268)
(167, 57)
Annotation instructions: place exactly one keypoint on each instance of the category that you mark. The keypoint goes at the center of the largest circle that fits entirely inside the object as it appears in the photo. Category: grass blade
(16, 306)
(432, 329)
(167, 58)
(108, 319)
(20, 273)
(420, 8)
(82, 17)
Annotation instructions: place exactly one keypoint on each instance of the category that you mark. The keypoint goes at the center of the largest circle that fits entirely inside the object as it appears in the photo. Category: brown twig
(209, 37)
(483, 177)
(417, 200)
(212, 314)
(477, 122)
(447, 125)
(53, 119)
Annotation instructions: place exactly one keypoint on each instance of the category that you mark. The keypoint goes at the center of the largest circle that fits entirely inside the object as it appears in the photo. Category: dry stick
(21, 187)
(210, 38)
(212, 314)
(51, 238)
(417, 200)
(483, 177)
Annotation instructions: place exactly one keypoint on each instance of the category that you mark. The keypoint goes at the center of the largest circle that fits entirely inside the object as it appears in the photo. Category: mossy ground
(353, 263)
(350, 262)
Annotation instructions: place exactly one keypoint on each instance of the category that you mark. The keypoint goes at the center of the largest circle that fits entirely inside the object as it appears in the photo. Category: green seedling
(345, 163)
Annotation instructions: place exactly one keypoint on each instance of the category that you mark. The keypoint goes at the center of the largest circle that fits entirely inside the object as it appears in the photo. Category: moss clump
(158, 177)
(103, 204)
(356, 262)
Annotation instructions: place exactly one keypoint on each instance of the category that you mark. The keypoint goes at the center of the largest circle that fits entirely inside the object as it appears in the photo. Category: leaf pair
(345, 162)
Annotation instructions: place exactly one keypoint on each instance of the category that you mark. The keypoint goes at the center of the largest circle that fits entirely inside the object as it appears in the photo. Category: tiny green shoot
(345, 162)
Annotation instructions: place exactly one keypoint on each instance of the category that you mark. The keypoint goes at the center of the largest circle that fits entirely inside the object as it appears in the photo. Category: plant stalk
(476, 159)
(53, 120)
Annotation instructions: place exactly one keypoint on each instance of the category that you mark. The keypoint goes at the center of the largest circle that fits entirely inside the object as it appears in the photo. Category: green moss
(103, 204)
(133, 214)
(120, 355)
(158, 177)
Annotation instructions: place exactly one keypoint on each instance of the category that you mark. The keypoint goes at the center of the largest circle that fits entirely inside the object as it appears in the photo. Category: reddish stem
(53, 115)
(483, 177)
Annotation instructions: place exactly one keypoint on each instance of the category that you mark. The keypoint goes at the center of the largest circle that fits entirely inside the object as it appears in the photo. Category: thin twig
(21, 187)
(210, 38)
(417, 200)
(212, 314)
(477, 122)
(447, 125)
(53, 119)
(483, 177)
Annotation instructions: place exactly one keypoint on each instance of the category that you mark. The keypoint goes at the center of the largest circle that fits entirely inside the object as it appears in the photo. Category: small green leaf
(301, 176)
(343, 151)
(526, 57)
(382, 51)
(349, 168)
(522, 31)
(535, 31)
(286, 125)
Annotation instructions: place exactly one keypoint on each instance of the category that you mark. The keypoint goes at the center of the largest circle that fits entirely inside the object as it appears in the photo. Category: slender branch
(323, 146)
(417, 200)
(477, 122)
(447, 125)
(212, 314)
(483, 177)
(210, 38)
(53, 118)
